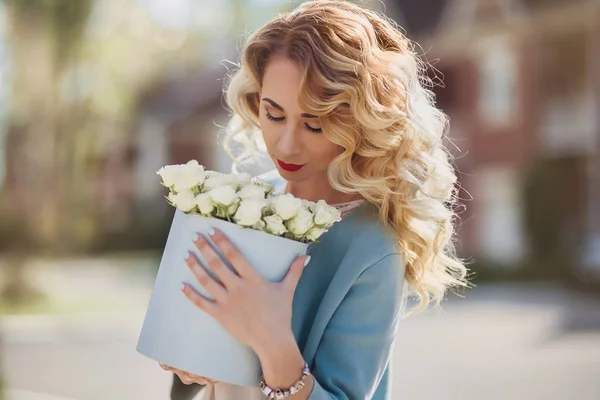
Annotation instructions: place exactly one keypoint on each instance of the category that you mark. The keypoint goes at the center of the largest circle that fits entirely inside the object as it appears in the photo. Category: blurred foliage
(66, 20)
(81, 70)
(45, 34)
(545, 216)
(73, 111)
(40, 128)
(141, 234)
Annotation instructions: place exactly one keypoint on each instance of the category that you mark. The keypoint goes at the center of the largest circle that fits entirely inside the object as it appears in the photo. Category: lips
(289, 167)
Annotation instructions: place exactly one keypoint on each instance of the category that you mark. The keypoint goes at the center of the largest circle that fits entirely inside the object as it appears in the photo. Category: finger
(206, 381)
(294, 274)
(234, 256)
(185, 378)
(181, 375)
(216, 290)
(206, 305)
(188, 378)
(214, 262)
(165, 367)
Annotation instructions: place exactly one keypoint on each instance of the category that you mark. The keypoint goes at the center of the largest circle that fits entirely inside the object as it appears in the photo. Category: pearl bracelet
(278, 394)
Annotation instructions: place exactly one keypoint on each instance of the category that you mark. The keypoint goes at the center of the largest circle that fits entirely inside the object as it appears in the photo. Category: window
(501, 232)
(498, 72)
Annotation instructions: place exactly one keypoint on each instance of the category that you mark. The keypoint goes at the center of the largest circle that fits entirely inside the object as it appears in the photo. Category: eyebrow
(277, 106)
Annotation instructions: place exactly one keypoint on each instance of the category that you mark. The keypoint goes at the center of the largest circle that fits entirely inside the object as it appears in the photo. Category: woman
(334, 91)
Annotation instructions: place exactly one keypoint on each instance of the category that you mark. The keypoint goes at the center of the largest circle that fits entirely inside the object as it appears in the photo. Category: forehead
(282, 82)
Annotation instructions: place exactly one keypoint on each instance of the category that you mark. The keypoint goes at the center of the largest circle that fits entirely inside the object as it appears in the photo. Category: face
(294, 139)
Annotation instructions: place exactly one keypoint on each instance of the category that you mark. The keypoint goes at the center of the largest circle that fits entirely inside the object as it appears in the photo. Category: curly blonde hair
(364, 80)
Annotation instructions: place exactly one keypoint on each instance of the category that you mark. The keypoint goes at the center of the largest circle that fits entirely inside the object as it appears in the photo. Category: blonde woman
(335, 94)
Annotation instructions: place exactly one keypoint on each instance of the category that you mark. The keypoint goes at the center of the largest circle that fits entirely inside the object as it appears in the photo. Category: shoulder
(370, 240)
(358, 243)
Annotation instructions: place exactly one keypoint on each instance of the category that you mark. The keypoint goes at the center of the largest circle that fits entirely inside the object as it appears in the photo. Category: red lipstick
(289, 167)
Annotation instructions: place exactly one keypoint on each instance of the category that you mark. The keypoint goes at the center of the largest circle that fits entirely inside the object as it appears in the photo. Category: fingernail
(306, 261)
(195, 236)
(182, 286)
(211, 231)
(187, 255)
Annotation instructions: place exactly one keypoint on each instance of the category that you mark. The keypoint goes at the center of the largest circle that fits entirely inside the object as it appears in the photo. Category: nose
(289, 143)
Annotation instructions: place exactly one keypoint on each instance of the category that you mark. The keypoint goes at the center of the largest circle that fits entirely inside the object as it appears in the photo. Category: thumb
(293, 276)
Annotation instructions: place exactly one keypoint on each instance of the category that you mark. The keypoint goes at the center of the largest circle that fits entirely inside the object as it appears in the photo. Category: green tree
(44, 38)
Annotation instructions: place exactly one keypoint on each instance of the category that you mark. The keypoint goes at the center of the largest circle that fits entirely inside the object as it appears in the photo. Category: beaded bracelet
(283, 394)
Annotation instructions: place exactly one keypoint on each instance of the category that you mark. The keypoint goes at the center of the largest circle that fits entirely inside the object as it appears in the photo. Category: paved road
(501, 342)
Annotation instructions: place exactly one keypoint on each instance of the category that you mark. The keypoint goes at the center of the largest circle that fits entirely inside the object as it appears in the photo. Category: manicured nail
(306, 261)
(195, 236)
(187, 255)
(182, 286)
(211, 231)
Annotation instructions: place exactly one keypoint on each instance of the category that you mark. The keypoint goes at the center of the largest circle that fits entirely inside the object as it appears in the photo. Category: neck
(313, 191)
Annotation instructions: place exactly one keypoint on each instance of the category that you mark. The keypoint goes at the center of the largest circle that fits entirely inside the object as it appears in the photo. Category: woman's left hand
(187, 378)
(251, 308)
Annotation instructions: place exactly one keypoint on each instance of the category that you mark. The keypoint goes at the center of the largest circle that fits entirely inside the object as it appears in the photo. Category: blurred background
(97, 95)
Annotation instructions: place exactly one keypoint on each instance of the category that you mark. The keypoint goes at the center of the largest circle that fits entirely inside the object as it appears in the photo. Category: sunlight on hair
(366, 83)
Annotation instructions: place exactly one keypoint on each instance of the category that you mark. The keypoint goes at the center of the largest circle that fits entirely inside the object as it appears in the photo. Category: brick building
(522, 80)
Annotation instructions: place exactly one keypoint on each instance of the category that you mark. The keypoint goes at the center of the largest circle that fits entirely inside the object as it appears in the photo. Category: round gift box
(177, 333)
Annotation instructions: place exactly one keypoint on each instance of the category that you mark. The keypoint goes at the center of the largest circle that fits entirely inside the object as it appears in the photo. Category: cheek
(325, 151)
(267, 130)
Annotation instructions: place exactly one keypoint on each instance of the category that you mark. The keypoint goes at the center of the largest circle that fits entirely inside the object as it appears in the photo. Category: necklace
(348, 207)
(352, 203)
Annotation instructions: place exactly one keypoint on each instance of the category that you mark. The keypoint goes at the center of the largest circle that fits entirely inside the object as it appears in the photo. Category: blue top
(347, 307)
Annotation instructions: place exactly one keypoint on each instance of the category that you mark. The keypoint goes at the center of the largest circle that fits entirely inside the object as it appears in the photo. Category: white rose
(216, 179)
(301, 223)
(310, 205)
(249, 212)
(233, 208)
(185, 201)
(205, 203)
(286, 206)
(171, 198)
(193, 167)
(326, 215)
(259, 226)
(275, 225)
(240, 180)
(314, 233)
(184, 182)
(268, 188)
(252, 192)
(223, 195)
(190, 175)
(169, 174)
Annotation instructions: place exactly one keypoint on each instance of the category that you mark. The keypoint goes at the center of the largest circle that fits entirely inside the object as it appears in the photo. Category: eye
(313, 130)
(274, 119)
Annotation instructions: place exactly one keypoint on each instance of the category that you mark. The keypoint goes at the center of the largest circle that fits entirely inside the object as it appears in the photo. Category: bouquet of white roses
(246, 201)
(269, 229)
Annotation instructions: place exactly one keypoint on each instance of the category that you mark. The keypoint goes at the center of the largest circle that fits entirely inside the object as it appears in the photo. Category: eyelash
(306, 126)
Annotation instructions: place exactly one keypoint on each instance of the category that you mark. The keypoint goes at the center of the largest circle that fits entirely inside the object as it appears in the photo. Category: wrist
(281, 361)
(277, 343)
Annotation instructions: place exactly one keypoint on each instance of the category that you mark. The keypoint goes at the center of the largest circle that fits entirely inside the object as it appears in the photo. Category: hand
(254, 310)
(188, 378)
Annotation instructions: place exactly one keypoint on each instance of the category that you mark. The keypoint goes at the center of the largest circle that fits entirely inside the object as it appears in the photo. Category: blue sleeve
(357, 343)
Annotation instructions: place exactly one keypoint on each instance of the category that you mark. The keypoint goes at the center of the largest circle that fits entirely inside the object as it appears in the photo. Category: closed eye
(306, 126)
(275, 119)
(313, 130)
